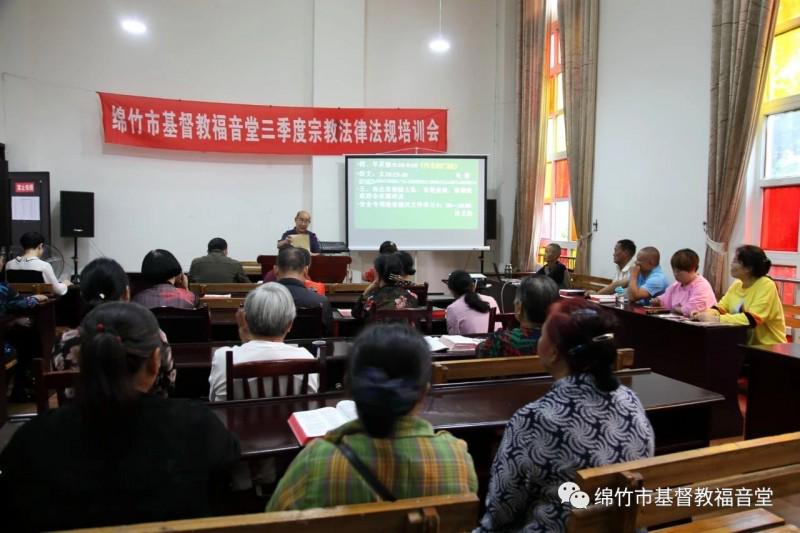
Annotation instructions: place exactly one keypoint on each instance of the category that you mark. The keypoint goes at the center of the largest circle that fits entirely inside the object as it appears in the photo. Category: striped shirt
(510, 342)
(414, 462)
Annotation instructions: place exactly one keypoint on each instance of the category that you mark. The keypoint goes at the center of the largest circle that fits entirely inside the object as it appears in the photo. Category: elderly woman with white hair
(266, 319)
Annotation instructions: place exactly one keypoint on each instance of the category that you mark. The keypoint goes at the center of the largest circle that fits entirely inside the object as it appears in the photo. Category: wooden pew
(6, 365)
(772, 462)
(430, 515)
(222, 303)
(324, 268)
(234, 289)
(341, 288)
(32, 288)
(45, 380)
(791, 314)
(589, 283)
(490, 367)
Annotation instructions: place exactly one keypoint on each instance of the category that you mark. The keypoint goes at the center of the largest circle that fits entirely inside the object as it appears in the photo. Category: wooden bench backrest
(222, 303)
(32, 288)
(772, 462)
(45, 380)
(234, 289)
(485, 368)
(184, 325)
(744, 522)
(307, 324)
(791, 314)
(271, 369)
(410, 315)
(489, 367)
(506, 320)
(589, 283)
(443, 514)
(339, 288)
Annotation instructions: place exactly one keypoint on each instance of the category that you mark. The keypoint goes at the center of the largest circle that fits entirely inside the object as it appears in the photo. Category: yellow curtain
(578, 22)
(741, 41)
(531, 150)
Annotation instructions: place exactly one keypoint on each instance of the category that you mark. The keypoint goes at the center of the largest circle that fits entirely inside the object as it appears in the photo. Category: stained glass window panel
(784, 66)
(562, 180)
(559, 92)
(548, 183)
(573, 234)
(780, 219)
(561, 135)
(551, 133)
(786, 290)
(783, 145)
(547, 221)
(561, 221)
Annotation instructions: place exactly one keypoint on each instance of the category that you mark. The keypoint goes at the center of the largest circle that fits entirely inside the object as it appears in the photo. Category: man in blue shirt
(647, 279)
(301, 222)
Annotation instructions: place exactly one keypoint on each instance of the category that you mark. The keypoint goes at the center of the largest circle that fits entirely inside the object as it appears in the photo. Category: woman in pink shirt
(691, 292)
(470, 312)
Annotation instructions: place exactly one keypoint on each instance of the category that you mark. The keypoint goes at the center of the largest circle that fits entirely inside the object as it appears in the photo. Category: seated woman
(691, 292)
(534, 296)
(390, 368)
(267, 317)
(752, 300)
(470, 312)
(586, 419)
(388, 290)
(408, 266)
(554, 268)
(103, 280)
(170, 286)
(124, 456)
(386, 247)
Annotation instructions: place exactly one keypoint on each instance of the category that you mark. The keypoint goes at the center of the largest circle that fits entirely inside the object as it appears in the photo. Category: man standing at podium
(299, 236)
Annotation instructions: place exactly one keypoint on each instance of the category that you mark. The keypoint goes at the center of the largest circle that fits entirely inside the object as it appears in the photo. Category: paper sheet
(24, 208)
(301, 240)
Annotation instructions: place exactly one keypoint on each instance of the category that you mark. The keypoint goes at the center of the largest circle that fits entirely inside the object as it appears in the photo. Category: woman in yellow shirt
(752, 300)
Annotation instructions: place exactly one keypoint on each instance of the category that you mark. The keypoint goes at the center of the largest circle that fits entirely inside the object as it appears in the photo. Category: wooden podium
(324, 268)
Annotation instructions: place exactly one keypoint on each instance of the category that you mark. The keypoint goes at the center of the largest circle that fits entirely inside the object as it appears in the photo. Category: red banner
(262, 129)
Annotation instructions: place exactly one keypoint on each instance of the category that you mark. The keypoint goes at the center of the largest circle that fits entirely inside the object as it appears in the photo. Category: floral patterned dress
(387, 297)
(66, 353)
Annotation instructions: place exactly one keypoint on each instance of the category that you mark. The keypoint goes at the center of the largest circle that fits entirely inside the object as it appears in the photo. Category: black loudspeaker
(77, 214)
(490, 227)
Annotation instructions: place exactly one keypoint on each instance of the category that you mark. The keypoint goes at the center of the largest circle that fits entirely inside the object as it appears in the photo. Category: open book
(459, 342)
(307, 425)
(435, 344)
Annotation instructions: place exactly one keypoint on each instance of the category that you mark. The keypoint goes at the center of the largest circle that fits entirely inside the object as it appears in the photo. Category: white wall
(300, 52)
(653, 107)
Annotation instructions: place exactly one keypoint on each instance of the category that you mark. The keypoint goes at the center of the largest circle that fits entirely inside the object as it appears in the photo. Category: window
(778, 151)
(558, 225)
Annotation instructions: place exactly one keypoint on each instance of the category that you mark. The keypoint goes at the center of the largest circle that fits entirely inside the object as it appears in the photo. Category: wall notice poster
(263, 129)
(25, 208)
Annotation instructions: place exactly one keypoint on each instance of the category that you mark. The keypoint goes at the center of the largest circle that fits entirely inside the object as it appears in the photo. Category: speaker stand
(481, 259)
(76, 278)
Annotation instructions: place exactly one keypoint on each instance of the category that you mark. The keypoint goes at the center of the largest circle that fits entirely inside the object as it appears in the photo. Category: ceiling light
(134, 26)
(439, 44)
